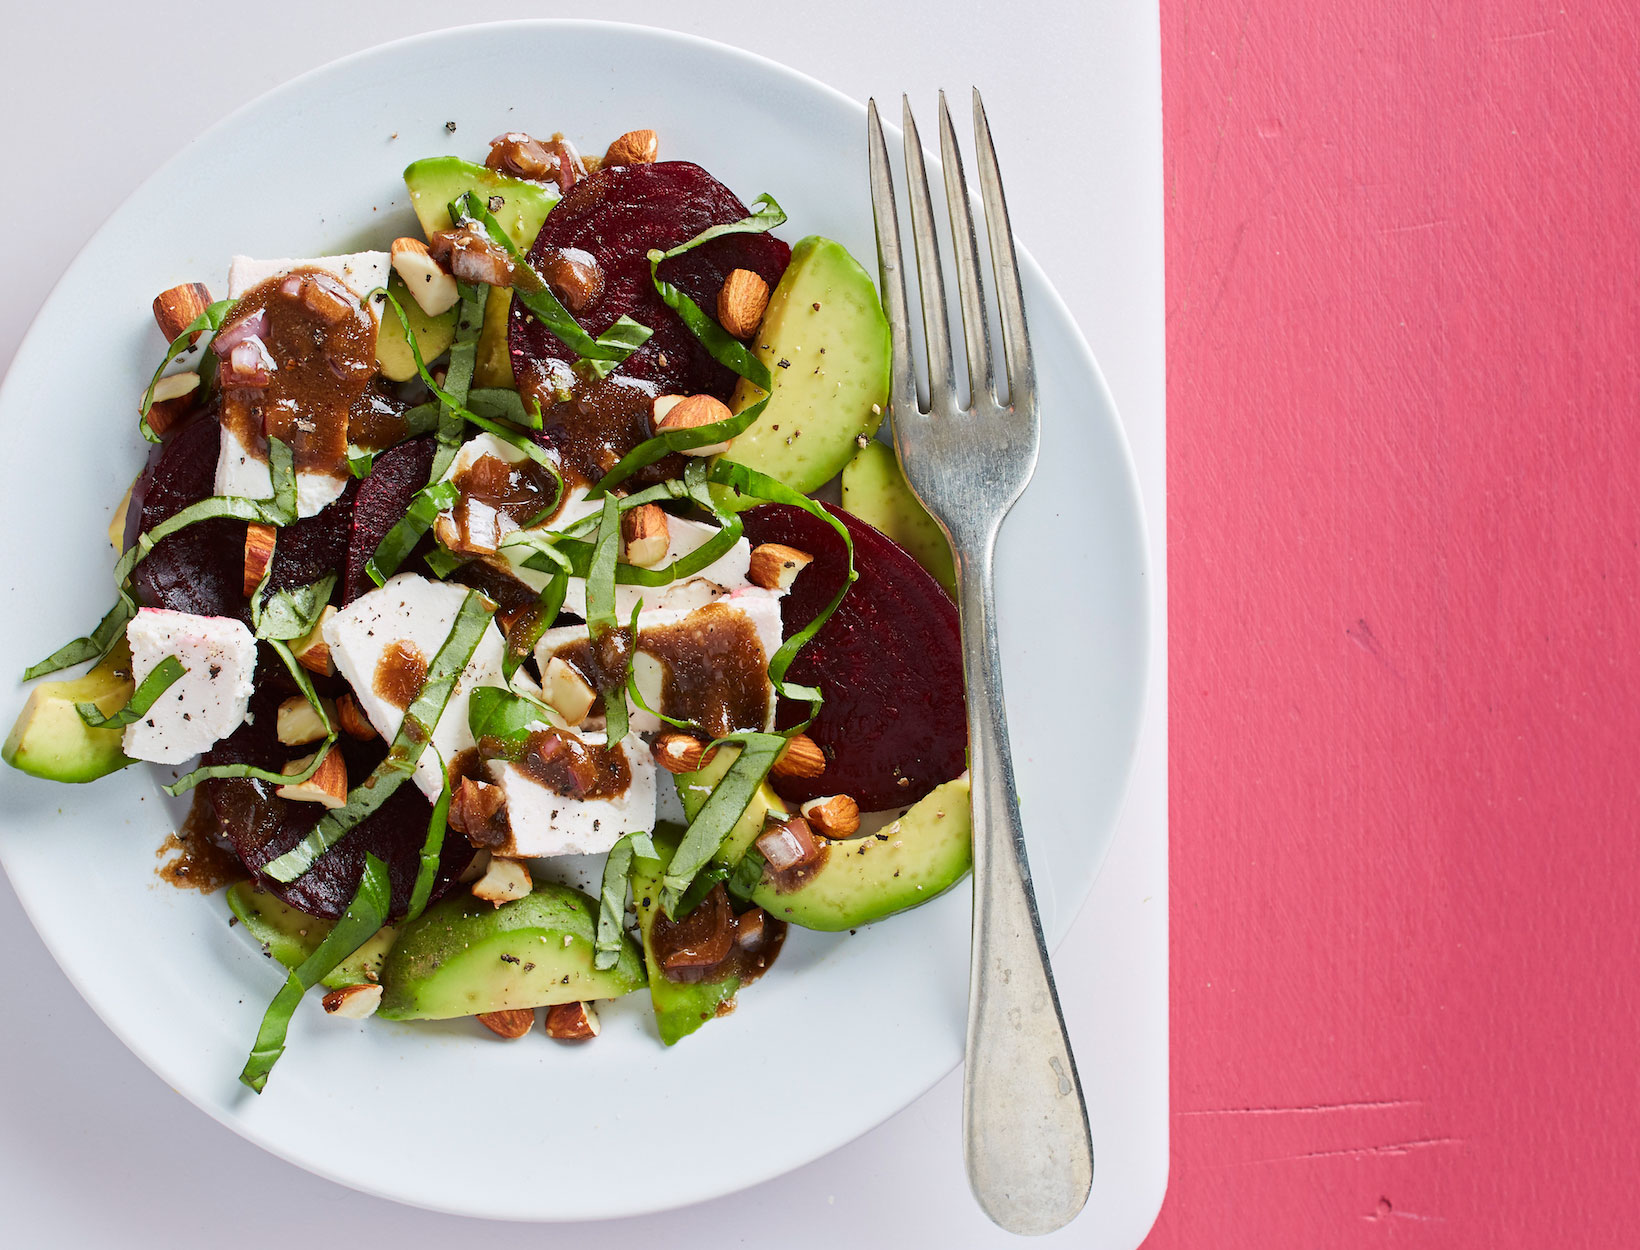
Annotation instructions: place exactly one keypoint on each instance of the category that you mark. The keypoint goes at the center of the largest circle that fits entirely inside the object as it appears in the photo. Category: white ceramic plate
(847, 1029)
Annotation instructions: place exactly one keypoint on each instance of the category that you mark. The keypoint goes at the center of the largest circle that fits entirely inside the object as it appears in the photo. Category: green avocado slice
(290, 936)
(50, 740)
(436, 181)
(464, 957)
(875, 490)
(922, 854)
(825, 341)
(680, 1008)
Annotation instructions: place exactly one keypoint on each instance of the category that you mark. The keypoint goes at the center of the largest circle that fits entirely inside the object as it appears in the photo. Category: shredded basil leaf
(601, 618)
(211, 319)
(612, 896)
(721, 811)
(505, 715)
(94, 646)
(458, 376)
(415, 732)
(291, 613)
(747, 874)
(397, 544)
(442, 562)
(527, 631)
(601, 354)
(213, 771)
(699, 888)
(431, 848)
(364, 916)
(166, 674)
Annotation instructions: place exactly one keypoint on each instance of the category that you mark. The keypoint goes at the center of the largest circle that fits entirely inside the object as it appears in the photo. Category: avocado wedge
(825, 341)
(50, 740)
(463, 957)
(875, 490)
(859, 880)
(680, 1008)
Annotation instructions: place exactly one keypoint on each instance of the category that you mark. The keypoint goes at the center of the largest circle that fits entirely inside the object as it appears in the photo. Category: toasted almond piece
(259, 544)
(503, 881)
(567, 691)
(327, 786)
(173, 400)
(801, 758)
(789, 844)
(645, 535)
(474, 805)
(433, 289)
(775, 566)
(687, 414)
(635, 147)
(350, 716)
(312, 652)
(679, 752)
(175, 310)
(476, 867)
(572, 1022)
(353, 1002)
(299, 724)
(511, 1025)
(116, 526)
(837, 816)
(741, 302)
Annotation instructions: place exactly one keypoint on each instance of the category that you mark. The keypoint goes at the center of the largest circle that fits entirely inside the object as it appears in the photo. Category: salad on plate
(527, 608)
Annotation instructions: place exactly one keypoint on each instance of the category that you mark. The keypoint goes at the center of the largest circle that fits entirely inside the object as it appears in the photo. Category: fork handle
(1025, 1124)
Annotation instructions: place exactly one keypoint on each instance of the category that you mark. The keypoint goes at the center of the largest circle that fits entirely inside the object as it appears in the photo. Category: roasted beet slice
(617, 215)
(202, 568)
(889, 663)
(382, 499)
(260, 826)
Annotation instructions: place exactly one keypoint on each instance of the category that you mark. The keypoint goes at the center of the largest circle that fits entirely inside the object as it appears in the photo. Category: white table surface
(94, 1150)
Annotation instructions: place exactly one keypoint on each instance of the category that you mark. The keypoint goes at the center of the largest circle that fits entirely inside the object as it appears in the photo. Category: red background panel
(1404, 420)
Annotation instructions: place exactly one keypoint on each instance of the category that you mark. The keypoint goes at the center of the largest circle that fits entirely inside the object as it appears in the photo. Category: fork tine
(1016, 344)
(891, 267)
(930, 277)
(976, 327)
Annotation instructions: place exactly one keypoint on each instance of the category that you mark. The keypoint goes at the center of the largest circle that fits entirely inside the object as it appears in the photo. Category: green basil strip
(721, 811)
(452, 658)
(94, 646)
(458, 376)
(212, 772)
(505, 715)
(527, 631)
(291, 613)
(531, 290)
(365, 915)
(601, 618)
(432, 848)
(612, 897)
(747, 874)
(166, 674)
(441, 562)
(397, 544)
(761, 486)
(211, 319)
(517, 438)
(699, 888)
(768, 215)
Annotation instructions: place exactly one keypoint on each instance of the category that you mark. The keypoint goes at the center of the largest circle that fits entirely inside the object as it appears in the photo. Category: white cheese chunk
(418, 612)
(238, 472)
(359, 272)
(209, 701)
(546, 823)
(760, 607)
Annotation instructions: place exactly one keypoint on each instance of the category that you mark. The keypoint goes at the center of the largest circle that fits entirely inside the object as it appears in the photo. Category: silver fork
(1025, 1124)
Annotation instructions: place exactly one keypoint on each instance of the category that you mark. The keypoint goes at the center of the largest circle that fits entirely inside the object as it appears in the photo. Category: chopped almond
(837, 816)
(802, 757)
(299, 724)
(679, 752)
(775, 566)
(477, 809)
(572, 1022)
(567, 691)
(177, 309)
(741, 302)
(259, 544)
(174, 398)
(352, 719)
(503, 881)
(511, 1025)
(434, 290)
(635, 147)
(312, 652)
(353, 1002)
(328, 786)
(690, 413)
(645, 535)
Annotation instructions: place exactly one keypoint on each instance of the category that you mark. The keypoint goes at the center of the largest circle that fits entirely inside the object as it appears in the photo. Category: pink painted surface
(1404, 404)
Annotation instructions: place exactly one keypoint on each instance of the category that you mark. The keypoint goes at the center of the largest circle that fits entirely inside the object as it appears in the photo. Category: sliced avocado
(463, 956)
(922, 854)
(433, 334)
(825, 341)
(290, 936)
(680, 1008)
(436, 181)
(875, 490)
(50, 740)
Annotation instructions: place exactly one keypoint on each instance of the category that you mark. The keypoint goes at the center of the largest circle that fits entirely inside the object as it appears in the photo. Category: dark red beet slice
(383, 498)
(260, 826)
(201, 569)
(617, 215)
(889, 663)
